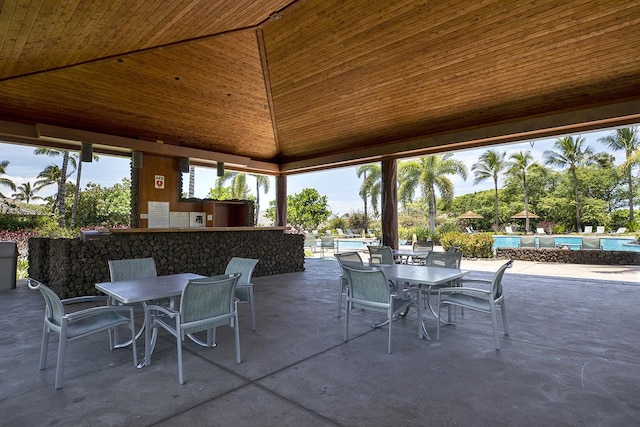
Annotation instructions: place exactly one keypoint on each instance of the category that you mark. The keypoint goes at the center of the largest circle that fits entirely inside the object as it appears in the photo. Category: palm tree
(520, 164)
(26, 193)
(428, 174)
(63, 178)
(570, 154)
(238, 187)
(262, 181)
(370, 188)
(5, 181)
(76, 193)
(490, 165)
(626, 139)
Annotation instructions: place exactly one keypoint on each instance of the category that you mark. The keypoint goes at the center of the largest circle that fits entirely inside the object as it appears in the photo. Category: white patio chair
(205, 304)
(351, 259)
(381, 255)
(244, 288)
(509, 230)
(78, 324)
(540, 230)
(130, 269)
(600, 229)
(369, 290)
(588, 229)
(476, 299)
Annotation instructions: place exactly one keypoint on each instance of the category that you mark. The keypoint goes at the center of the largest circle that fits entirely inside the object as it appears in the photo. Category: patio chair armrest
(166, 310)
(89, 298)
(94, 311)
(485, 281)
(458, 290)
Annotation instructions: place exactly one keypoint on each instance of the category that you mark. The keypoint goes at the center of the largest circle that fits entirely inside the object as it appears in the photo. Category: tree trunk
(192, 181)
(76, 195)
(630, 181)
(62, 189)
(575, 191)
(495, 206)
(390, 203)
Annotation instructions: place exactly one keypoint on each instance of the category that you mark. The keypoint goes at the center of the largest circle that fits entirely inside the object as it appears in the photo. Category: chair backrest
(546, 242)
(349, 258)
(588, 228)
(444, 259)
(54, 309)
(326, 242)
(621, 230)
(423, 246)
(340, 232)
(243, 266)
(591, 243)
(600, 229)
(527, 242)
(508, 229)
(310, 241)
(453, 249)
(496, 283)
(208, 297)
(540, 230)
(368, 284)
(381, 255)
(128, 269)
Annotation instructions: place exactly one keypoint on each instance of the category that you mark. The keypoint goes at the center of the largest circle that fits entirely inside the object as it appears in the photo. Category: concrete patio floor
(572, 358)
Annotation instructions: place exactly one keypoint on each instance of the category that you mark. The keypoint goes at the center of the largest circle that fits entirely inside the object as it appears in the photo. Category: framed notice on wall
(197, 219)
(158, 214)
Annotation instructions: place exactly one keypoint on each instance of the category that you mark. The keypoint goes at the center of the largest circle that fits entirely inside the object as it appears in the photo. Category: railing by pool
(605, 243)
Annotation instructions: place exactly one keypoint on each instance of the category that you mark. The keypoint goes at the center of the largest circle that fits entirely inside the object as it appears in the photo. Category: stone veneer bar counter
(72, 267)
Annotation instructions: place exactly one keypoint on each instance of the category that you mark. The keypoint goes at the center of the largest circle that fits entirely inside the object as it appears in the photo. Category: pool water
(607, 243)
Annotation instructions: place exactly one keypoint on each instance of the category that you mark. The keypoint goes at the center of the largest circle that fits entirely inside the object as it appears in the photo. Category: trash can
(8, 265)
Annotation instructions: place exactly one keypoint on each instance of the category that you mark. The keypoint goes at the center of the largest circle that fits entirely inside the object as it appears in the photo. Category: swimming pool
(607, 243)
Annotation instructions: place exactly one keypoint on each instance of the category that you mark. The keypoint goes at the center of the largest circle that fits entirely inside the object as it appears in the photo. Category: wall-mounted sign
(160, 181)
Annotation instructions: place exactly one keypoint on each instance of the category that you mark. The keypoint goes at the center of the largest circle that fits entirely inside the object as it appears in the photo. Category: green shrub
(23, 267)
(479, 245)
(54, 231)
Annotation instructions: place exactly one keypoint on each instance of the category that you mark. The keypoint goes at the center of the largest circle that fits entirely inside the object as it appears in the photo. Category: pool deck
(571, 359)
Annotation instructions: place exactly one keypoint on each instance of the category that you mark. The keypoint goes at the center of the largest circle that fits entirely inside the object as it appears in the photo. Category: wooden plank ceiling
(282, 86)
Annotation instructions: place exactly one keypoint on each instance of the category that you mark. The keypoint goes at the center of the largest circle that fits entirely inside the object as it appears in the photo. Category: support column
(281, 201)
(389, 203)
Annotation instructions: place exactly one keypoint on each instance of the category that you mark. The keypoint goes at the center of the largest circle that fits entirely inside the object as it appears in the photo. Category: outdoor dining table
(422, 276)
(143, 290)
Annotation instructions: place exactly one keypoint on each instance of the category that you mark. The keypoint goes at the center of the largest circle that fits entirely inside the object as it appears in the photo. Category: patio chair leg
(505, 324)
(494, 323)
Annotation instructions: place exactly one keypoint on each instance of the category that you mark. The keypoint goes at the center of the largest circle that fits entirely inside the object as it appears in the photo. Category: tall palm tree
(490, 165)
(521, 163)
(63, 179)
(429, 174)
(238, 184)
(262, 181)
(76, 193)
(5, 181)
(570, 154)
(626, 139)
(26, 193)
(370, 188)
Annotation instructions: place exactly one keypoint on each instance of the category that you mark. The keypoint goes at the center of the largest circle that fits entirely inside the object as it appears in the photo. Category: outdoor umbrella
(470, 215)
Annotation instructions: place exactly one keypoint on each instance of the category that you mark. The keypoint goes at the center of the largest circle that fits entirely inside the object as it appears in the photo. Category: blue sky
(341, 185)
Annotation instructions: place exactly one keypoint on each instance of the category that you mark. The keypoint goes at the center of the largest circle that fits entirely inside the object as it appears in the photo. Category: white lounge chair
(509, 230)
(600, 229)
(620, 230)
(540, 230)
(588, 229)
